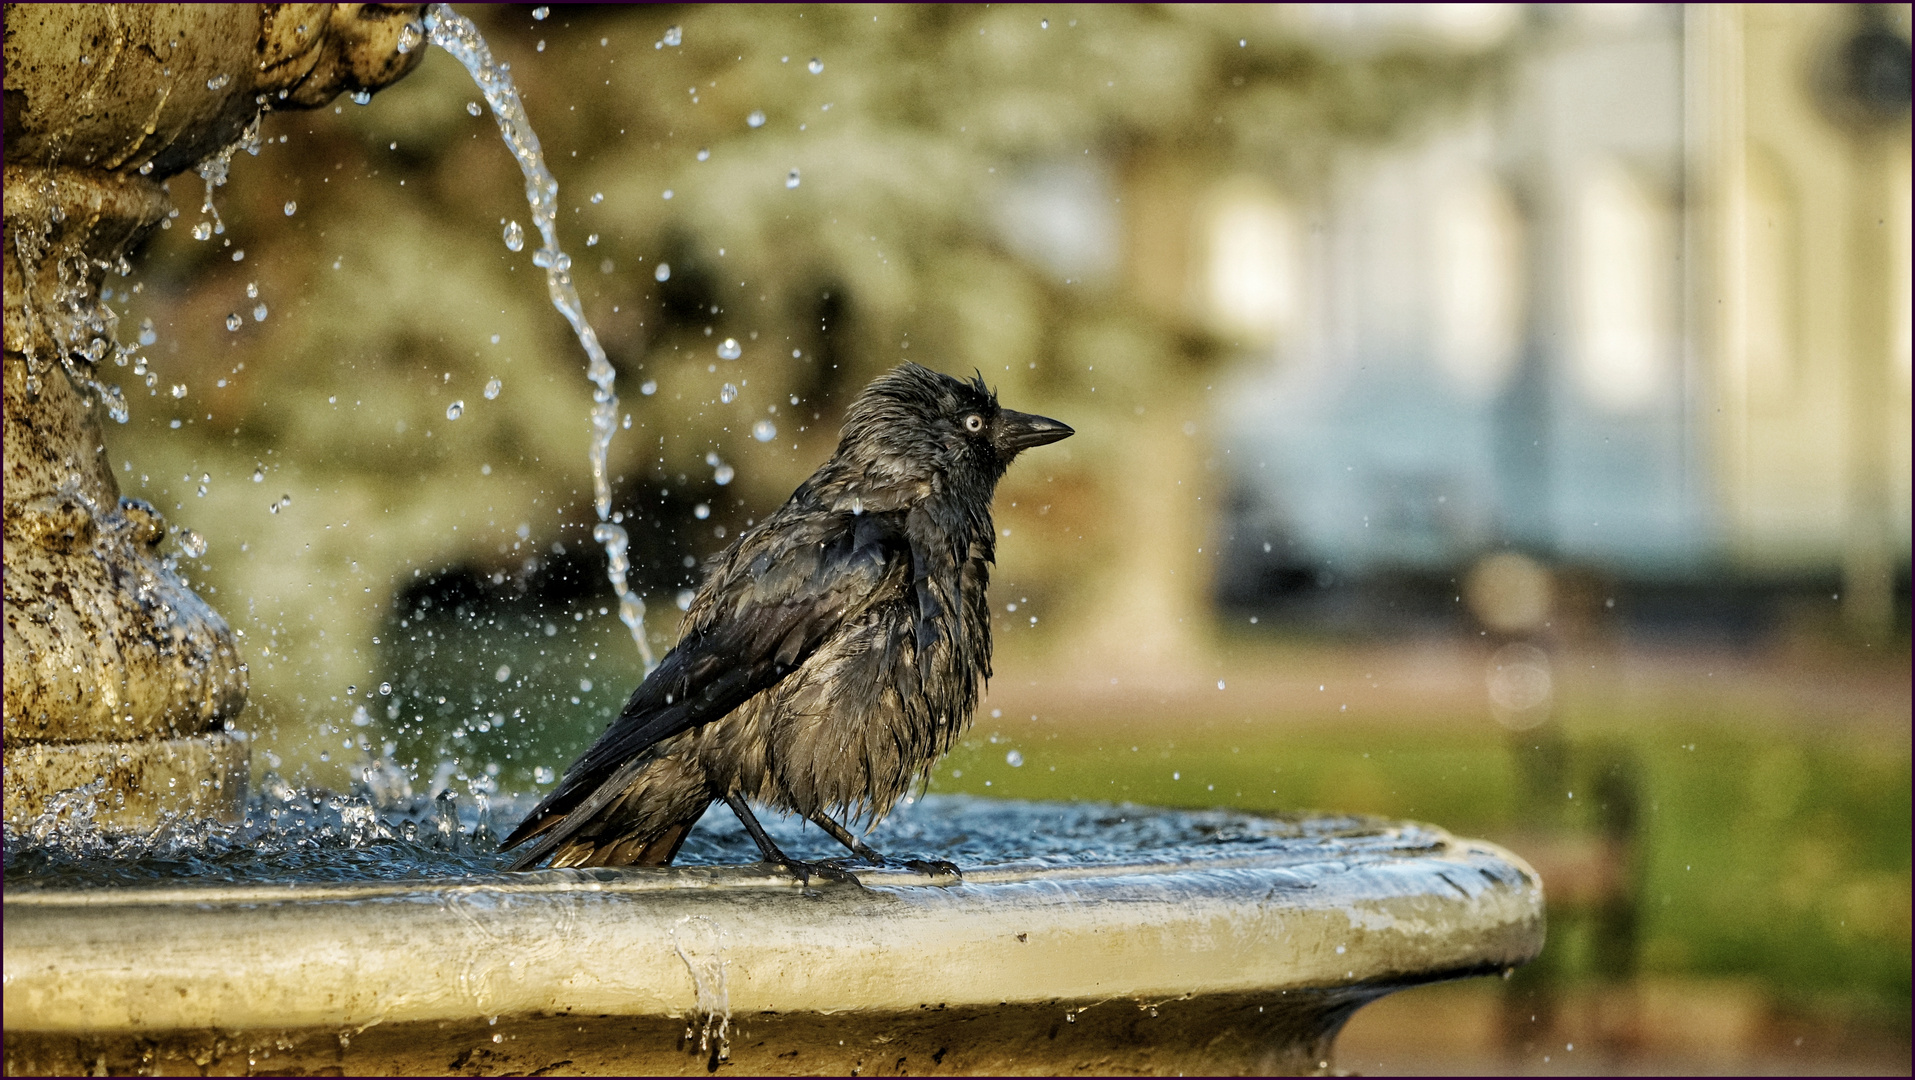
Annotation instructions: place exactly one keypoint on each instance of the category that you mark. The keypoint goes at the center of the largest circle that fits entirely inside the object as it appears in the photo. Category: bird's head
(912, 424)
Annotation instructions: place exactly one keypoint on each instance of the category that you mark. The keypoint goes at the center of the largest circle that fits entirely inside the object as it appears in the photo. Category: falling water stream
(456, 35)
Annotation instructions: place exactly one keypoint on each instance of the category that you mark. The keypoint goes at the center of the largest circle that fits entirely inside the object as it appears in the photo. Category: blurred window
(1768, 265)
(1478, 287)
(1250, 266)
(1899, 283)
(1624, 259)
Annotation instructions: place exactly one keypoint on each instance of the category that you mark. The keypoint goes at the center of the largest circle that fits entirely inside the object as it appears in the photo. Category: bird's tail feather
(555, 830)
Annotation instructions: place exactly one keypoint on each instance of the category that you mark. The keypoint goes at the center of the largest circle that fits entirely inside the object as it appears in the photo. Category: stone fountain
(122, 685)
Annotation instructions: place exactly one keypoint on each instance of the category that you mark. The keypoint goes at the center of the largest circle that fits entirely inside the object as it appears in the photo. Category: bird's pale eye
(974, 423)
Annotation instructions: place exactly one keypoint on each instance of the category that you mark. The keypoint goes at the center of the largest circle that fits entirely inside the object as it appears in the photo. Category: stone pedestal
(119, 679)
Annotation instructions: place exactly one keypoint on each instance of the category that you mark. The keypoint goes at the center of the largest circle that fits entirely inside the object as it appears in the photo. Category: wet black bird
(834, 654)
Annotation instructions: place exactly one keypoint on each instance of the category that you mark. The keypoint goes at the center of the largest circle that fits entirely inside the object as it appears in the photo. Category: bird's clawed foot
(930, 868)
(798, 868)
(805, 871)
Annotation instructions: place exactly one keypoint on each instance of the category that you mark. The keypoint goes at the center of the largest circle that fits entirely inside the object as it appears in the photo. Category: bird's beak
(1020, 431)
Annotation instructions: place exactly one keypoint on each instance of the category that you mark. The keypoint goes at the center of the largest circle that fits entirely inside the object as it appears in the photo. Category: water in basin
(292, 836)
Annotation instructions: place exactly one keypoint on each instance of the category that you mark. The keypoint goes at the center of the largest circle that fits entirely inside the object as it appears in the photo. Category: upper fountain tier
(121, 87)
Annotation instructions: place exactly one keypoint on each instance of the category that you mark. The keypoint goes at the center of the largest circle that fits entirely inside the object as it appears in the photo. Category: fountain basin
(1234, 963)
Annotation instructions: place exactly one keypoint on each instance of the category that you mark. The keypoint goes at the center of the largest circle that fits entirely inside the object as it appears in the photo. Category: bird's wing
(777, 597)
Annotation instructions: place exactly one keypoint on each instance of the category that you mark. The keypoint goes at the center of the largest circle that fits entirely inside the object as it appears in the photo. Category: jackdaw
(834, 653)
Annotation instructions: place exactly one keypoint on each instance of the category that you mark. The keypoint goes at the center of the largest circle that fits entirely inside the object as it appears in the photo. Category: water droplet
(728, 393)
(592, 240)
(1043, 24)
(504, 672)
(685, 597)
(1014, 759)
(385, 689)
(662, 272)
(723, 475)
(648, 387)
(409, 38)
(147, 335)
(252, 290)
(668, 193)
(674, 36)
(816, 67)
(455, 410)
(541, 45)
(757, 118)
(764, 431)
(701, 511)
(729, 350)
(203, 231)
(791, 179)
(192, 543)
(514, 236)
(259, 312)
(704, 153)
(233, 321)
(541, 12)
(472, 107)
(362, 97)
(179, 390)
(218, 82)
(597, 197)
(291, 207)
(492, 388)
(259, 474)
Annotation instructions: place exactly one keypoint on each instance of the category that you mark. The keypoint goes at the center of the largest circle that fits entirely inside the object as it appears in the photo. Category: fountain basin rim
(332, 957)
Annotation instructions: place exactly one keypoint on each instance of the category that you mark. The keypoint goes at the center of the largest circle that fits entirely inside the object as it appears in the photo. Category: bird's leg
(801, 870)
(843, 836)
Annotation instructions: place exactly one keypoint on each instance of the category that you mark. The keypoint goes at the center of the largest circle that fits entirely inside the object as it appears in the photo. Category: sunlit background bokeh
(1497, 415)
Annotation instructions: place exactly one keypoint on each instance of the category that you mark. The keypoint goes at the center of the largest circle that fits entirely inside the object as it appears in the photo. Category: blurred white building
(1642, 309)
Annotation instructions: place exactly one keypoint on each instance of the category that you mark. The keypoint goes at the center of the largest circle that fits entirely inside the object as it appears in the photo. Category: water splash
(701, 945)
(456, 35)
